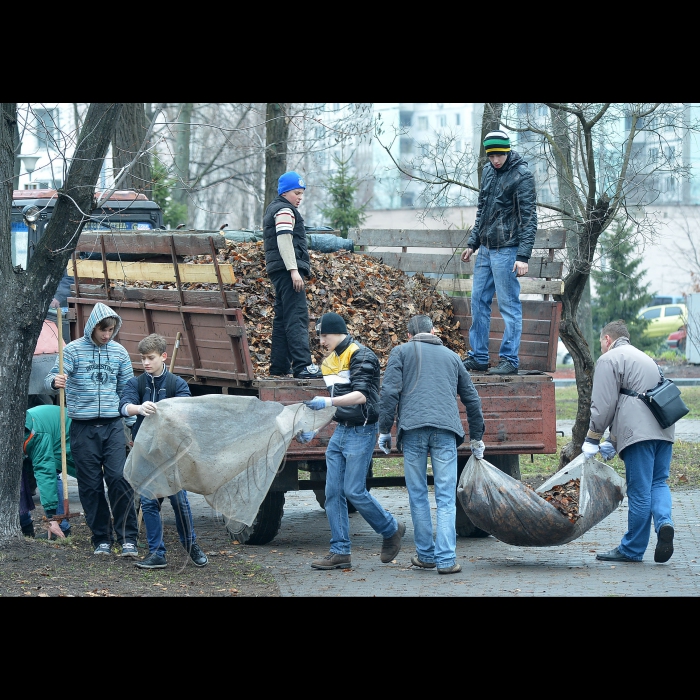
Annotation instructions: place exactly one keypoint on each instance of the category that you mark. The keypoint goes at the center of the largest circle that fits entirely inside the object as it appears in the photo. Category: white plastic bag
(227, 448)
(514, 514)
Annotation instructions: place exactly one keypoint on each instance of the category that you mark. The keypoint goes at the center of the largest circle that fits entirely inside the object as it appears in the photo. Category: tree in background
(25, 295)
(591, 161)
(174, 213)
(342, 213)
(128, 145)
(621, 290)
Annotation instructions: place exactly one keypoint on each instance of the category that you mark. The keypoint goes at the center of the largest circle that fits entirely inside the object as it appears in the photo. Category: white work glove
(319, 402)
(306, 436)
(147, 408)
(384, 442)
(607, 450)
(478, 448)
(590, 449)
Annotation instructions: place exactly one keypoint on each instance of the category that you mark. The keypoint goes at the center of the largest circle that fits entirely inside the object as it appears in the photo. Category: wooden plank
(160, 296)
(161, 272)
(156, 243)
(453, 238)
(527, 286)
(451, 264)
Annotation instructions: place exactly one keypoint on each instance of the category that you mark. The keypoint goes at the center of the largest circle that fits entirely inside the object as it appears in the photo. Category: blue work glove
(478, 448)
(607, 451)
(306, 436)
(319, 402)
(385, 443)
(590, 449)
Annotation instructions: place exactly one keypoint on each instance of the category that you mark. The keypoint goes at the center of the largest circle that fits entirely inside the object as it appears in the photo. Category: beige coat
(629, 420)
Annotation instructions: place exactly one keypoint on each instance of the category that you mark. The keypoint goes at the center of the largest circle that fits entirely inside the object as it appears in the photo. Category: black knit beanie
(331, 323)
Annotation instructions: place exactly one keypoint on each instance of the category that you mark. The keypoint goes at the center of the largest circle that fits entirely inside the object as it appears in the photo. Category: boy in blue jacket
(139, 399)
(96, 370)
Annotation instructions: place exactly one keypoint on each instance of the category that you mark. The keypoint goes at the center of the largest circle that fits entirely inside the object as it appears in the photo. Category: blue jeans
(348, 459)
(493, 272)
(150, 507)
(441, 445)
(647, 466)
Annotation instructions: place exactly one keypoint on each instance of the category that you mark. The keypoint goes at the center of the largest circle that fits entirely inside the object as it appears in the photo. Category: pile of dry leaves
(564, 497)
(375, 300)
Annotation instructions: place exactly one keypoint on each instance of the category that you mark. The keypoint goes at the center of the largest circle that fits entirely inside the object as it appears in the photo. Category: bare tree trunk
(17, 149)
(25, 295)
(277, 133)
(180, 193)
(490, 121)
(126, 143)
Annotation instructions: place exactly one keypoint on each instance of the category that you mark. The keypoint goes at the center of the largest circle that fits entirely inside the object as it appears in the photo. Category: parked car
(677, 339)
(663, 319)
(563, 356)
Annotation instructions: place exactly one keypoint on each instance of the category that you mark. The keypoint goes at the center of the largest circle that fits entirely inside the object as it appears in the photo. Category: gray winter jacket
(629, 420)
(422, 381)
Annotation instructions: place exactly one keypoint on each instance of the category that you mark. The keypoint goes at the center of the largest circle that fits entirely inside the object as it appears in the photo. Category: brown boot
(392, 545)
(332, 561)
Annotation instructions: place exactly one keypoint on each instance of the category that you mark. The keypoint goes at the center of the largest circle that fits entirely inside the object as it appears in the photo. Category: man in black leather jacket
(504, 231)
(351, 372)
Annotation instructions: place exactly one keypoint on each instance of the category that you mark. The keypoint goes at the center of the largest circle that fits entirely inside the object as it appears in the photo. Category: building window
(406, 145)
(442, 120)
(46, 127)
(405, 118)
(653, 155)
(458, 146)
(458, 119)
(423, 123)
(407, 199)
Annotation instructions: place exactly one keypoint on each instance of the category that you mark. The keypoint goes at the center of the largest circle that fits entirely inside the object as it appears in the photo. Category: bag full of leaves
(547, 516)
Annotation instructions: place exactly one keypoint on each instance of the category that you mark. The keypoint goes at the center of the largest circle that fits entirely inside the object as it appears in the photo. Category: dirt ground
(35, 567)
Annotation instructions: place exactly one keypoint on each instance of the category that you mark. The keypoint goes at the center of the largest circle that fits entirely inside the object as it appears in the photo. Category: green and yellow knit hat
(496, 142)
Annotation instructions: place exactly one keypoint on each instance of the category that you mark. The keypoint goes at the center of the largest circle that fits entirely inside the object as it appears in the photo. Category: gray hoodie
(97, 374)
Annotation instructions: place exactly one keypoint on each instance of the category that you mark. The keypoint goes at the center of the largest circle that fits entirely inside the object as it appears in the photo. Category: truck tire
(266, 524)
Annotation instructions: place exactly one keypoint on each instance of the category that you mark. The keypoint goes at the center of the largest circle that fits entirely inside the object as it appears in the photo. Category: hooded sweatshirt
(97, 374)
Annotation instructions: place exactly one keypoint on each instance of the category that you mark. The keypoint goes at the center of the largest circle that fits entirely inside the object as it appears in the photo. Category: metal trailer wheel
(266, 524)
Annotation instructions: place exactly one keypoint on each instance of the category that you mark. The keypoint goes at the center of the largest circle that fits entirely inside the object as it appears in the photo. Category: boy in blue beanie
(287, 262)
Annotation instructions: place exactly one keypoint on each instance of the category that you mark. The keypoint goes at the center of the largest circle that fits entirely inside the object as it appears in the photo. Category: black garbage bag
(515, 514)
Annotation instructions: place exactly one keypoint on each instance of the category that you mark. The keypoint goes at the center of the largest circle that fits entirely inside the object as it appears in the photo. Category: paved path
(489, 567)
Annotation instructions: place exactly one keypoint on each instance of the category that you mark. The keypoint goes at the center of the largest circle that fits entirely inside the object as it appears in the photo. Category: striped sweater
(97, 374)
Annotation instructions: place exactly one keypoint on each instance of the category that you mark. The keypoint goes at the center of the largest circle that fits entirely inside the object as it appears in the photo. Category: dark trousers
(290, 327)
(99, 452)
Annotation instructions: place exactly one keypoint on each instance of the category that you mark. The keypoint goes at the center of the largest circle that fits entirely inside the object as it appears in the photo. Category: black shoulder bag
(664, 401)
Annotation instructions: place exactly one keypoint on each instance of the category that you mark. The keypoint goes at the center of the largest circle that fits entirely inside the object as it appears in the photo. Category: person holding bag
(643, 445)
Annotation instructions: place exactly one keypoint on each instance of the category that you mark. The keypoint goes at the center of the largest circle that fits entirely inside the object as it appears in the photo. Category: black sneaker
(504, 367)
(198, 556)
(152, 561)
(28, 530)
(309, 372)
(471, 365)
